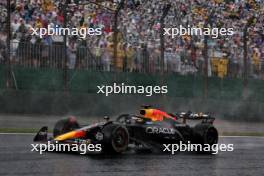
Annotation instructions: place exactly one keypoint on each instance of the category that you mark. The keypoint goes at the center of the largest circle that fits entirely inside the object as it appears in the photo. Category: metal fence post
(115, 35)
(8, 57)
(162, 45)
(65, 74)
(205, 53)
(245, 55)
(206, 66)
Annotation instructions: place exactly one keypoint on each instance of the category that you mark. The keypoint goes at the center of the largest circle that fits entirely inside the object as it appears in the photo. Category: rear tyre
(116, 138)
(64, 126)
(205, 134)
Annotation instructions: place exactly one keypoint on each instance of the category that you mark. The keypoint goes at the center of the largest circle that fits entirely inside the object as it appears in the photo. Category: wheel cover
(120, 139)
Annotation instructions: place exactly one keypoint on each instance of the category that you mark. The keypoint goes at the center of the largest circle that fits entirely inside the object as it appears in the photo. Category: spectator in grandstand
(139, 25)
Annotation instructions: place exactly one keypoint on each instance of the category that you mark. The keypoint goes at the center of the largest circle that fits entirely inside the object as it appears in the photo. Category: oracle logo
(158, 130)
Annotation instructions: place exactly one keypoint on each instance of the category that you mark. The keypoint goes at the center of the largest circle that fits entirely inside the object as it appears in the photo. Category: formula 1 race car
(147, 131)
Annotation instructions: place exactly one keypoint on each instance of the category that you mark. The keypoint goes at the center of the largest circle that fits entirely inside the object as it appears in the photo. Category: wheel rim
(120, 139)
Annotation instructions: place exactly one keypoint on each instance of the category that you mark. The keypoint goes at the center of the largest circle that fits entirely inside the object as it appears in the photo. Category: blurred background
(60, 74)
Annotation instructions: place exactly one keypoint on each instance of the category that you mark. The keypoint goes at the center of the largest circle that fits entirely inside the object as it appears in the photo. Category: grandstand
(136, 45)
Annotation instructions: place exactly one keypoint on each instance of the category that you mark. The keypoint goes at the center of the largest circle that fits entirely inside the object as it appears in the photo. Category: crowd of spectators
(138, 45)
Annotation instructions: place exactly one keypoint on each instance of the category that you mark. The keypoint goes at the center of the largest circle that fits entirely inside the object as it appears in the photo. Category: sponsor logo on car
(158, 130)
(99, 136)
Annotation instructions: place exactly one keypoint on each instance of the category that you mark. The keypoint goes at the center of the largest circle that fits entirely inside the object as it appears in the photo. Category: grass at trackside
(19, 130)
(29, 130)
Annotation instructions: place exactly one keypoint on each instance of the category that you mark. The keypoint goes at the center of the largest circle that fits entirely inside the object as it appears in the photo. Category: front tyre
(116, 138)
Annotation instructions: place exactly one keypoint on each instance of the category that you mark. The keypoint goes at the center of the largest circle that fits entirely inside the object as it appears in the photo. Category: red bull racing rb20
(149, 130)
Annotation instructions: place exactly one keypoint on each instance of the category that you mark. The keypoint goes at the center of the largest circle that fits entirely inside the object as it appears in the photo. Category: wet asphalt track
(17, 159)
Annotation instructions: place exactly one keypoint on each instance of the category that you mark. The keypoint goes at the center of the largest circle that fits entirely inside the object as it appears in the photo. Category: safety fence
(142, 60)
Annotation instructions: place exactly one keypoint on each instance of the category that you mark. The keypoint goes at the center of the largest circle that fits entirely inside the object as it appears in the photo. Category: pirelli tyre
(116, 138)
(205, 134)
(64, 126)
